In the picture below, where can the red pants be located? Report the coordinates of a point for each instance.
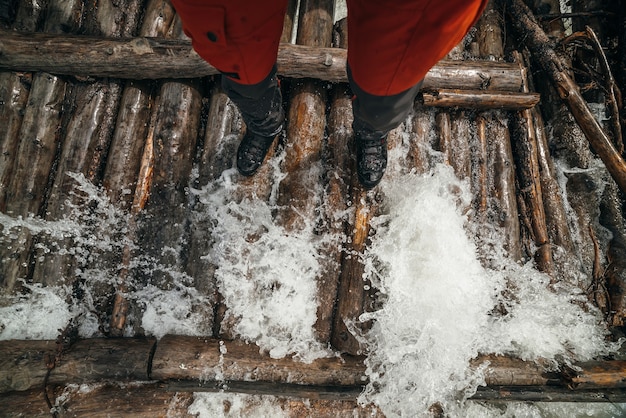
(391, 44)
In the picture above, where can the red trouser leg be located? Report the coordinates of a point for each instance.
(393, 43)
(238, 37)
(391, 46)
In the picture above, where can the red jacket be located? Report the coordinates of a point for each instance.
(391, 44)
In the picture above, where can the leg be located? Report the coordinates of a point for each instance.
(240, 38)
(391, 46)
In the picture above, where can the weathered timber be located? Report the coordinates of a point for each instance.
(539, 44)
(39, 140)
(196, 364)
(479, 99)
(156, 58)
(128, 172)
(301, 191)
(418, 155)
(161, 227)
(25, 364)
(131, 129)
(501, 156)
(86, 142)
(529, 179)
(339, 159)
(159, 400)
(198, 358)
(14, 89)
(454, 146)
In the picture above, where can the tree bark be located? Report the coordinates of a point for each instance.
(156, 58)
(479, 100)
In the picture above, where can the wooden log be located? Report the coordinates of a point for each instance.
(162, 227)
(25, 364)
(529, 179)
(155, 58)
(182, 363)
(301, 191)
(136, 399)
(455, 146)
(339, 160)
(14, 89)
(205, 359)
(39, 140)
(480, 99)
(131, 129)
(554, 67)
(423, 124)
(158, 399)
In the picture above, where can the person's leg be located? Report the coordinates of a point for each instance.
(240, 38)
(391, 46)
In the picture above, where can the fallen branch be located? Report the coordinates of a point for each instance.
(540, 45)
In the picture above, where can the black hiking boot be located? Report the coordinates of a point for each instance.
(371, 157)
(252, 151)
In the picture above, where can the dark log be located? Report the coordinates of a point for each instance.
(555, 68)
(162, 226)
(418, 155)
(38, 142)
(195, 364)
(494, 138)
(160, 400)
(205, 359)
(14, 89)
(156, 58)
(25, 364)
(288, 24)
(455, 146)
(480, 99)
(131, 129)
(529, 179)
(339, 161)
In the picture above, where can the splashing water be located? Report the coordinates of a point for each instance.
(438, 310)
(266, 274)
(439, 303)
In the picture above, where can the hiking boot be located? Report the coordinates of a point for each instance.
(371, 157)
(252, 151)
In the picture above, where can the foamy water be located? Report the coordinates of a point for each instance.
(436, 315)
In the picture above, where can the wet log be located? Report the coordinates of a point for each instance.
(555, 68)
(26, 364)
(161, 224)
(198, 358)
(455, 146)
(339, 160)
(479, 99)
(301, 191)
(131, 129)
(14, 89)
(196, 364)
(529, 179)
(158, 399)
(418, 155)
(156, 58)
(497, 190)
(140, 399)
(39, 140)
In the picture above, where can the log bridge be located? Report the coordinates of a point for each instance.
(120, 368)
(130, 106)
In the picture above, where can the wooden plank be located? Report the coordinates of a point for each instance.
(155, 58)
